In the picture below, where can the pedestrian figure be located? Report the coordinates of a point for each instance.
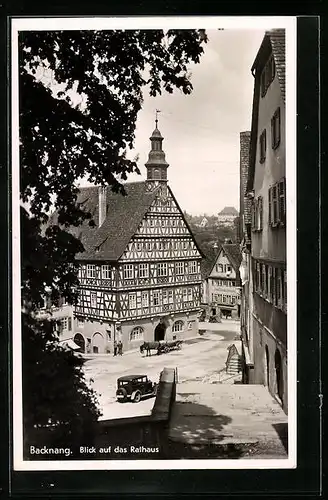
(120, 348)
(115, 348)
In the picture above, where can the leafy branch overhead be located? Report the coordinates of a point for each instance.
(80, 93)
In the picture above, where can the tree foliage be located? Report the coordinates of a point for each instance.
(80, 94)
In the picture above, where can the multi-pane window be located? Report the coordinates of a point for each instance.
(91, 271)
(132, 301)
(137, 333)
(128, 271)
(162, 269)
(105, 271)
(275, 129)
(143, 270)
(219, 268)
(271, 284)
(262, 145)
(156, 298)
(189, 294)
(144, 299)
(179, 268)
(65, 324)
(177, 326)
(138, 246)
(164, 296)
(93, 299)
(185, 296)
(170, 296)
(282, 201)
(267, 75)
(193, 267)
(277, 204)
(80, 323)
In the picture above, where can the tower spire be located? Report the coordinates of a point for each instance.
(156, 115)
(156, 164)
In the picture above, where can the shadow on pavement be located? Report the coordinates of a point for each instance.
(282, 431)
(196, 431)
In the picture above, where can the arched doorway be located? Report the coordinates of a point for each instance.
(79, 340)
(98, 344)
(279, 375)
(266, 367)
(160, 331)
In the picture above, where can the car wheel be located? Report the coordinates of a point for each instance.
(121, 395)
(166, 350)
(137, 397)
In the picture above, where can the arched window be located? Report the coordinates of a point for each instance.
(137, 333)
(157, 174)
(177, 326)
(279, 375)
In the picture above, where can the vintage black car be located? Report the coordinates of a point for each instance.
(134, 387)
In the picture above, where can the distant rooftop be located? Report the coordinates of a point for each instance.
(229, 211)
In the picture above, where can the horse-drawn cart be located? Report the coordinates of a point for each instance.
(169, 346)
(160, 347)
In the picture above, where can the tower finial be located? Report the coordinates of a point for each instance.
(156, 119)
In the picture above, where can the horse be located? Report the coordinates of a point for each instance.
(147, 346)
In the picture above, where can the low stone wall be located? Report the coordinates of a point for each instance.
(133, 438)
(141, 437)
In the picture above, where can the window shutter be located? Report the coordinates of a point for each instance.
(261, 212)
(278, 127)
(70, 324)
(270, 283)
(270, 205)
(282, 201)
(272, 132)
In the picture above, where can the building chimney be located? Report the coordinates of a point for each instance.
(245, 204)
(102, 205)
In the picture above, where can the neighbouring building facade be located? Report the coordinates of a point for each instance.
(221, 286)
(227, 216)
(140, 272)
(264, 302)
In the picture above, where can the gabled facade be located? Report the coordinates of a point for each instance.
(203, 222)
(140, 272)
(266, 188)
(222, 284)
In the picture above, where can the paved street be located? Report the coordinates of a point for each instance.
(199, 359)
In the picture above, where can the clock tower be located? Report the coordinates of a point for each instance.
(156, 164)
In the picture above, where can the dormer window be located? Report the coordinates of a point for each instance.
(267, 75)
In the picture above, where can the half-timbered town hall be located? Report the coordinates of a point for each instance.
(140, 271)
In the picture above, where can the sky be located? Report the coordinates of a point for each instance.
(201, 130)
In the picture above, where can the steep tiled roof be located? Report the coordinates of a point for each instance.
(208, 262)
(124, 214)
(232, 251)
(229, 211)
(277, 38)
(273, 42)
